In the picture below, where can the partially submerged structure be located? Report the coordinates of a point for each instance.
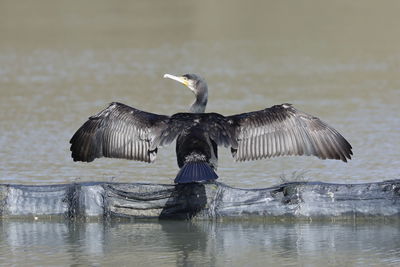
(289, 201)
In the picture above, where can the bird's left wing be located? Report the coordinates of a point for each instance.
(119, 131)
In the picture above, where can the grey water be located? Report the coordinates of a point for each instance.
(61, 62)
(177, 243)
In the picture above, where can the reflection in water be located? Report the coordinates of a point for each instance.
(192, 199)
(200, 243)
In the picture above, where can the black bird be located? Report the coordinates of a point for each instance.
(120, 131)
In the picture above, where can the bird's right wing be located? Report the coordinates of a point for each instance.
(119, 131)
(283, 130)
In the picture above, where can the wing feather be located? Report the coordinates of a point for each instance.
(283, 130)
(119, 131)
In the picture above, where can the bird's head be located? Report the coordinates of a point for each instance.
(194, 82)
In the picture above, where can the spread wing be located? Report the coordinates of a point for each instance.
(283, 130)
(119, 131)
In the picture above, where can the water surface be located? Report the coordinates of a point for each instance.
(61, 62)
(172, 243)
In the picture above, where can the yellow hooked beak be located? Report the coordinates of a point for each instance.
(180, 79)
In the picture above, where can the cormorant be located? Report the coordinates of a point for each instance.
(121, 131)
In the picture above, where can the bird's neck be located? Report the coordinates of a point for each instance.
(199, 105)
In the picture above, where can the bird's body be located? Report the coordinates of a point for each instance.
(196, 144)
(120, 131)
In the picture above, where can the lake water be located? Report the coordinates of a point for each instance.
(61, 62)
(173, 243)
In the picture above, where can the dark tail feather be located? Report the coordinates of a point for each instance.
(195, 172)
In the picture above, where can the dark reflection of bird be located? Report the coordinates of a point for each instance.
(120, 131)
